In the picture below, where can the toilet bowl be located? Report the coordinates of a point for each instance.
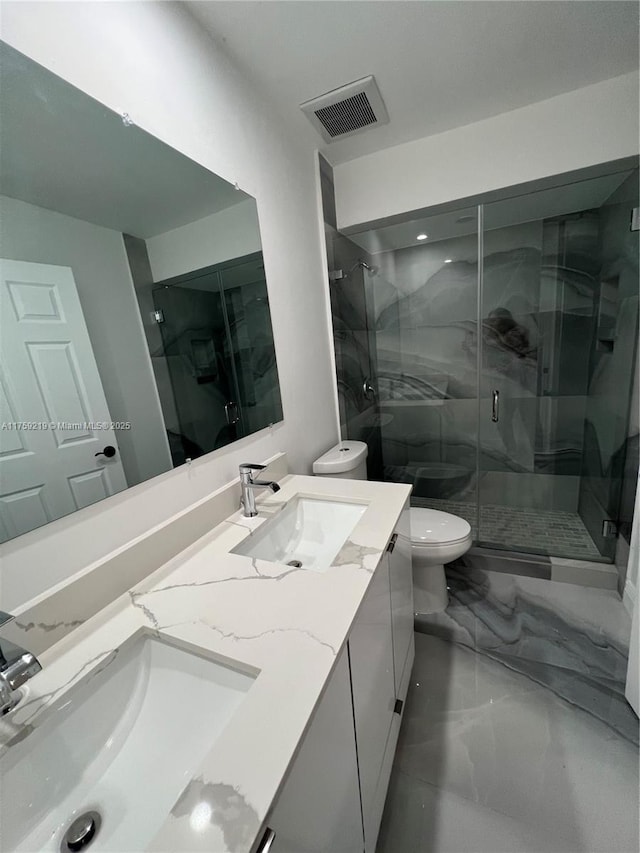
(436, 537)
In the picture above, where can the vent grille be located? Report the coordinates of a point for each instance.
(347, 110)
(346, 116)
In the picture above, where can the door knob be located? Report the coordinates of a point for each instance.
(107, 451)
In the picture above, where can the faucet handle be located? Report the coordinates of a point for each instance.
(15, 673)
(251, 466)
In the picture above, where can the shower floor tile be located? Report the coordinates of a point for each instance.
(537, 530)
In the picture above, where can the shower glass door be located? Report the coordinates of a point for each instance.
(557, 322)
(427, 353)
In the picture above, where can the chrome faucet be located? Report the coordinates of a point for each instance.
(247, 484)
(17, 666)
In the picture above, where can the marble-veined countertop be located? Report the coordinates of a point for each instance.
(285, 625)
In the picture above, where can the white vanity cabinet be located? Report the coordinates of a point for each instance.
(381, 654)
(319, 806)
(401, 586)
(332, 801)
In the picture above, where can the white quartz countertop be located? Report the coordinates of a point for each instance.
(283, 625)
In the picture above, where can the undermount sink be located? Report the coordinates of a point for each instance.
(308, 533)
(123, 742)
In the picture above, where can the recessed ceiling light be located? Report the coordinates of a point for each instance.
(448, 260)
(422, 236)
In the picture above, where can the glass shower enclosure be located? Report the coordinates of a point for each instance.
(506, 336)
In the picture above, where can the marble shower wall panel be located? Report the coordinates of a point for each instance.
(539, 491)
(559, 439)
(431, 444)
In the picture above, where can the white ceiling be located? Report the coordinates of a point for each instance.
(63, 151)
(439, 63)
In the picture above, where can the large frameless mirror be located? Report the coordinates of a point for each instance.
(134, 314)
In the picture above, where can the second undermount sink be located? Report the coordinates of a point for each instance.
(121, 745)
(308, 533)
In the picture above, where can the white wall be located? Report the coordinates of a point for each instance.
(230, 233)
(97, 258)
(582, 128)
(154, 62)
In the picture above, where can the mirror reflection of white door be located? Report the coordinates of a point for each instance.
(49, 379)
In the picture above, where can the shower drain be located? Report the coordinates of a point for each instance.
(81, 832)
(295, 563)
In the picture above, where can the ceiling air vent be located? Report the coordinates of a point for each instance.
(347, 110)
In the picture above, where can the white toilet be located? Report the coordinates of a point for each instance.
(436, 537)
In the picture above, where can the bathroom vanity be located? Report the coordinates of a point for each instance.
(245, 696)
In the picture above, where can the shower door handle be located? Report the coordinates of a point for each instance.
(368, 390)
(495, 406)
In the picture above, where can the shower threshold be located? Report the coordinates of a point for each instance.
(581, 572)
(513, 562)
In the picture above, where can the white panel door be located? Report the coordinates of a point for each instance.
(51, 402)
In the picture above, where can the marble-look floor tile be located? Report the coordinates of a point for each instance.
(428, 819)
(569, 640)
(490, 760)
(599, 612)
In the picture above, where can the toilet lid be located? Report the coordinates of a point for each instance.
(432, 527)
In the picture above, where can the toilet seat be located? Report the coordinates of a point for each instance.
(431, 527)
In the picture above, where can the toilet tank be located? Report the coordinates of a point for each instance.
(347, 460)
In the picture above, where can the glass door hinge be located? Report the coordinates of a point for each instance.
(609, 529)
